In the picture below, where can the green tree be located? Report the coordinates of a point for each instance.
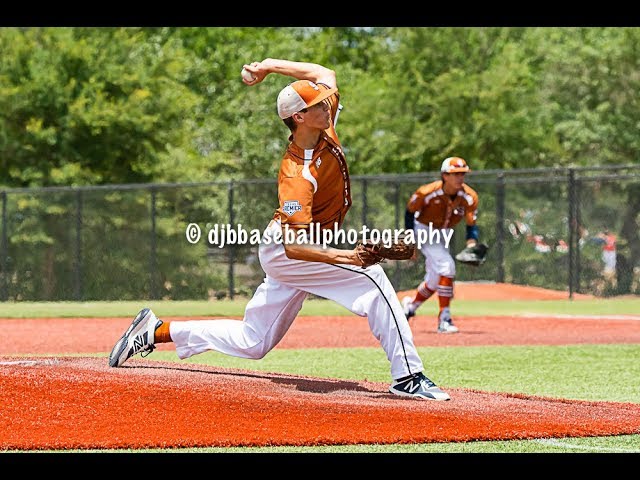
(91, 105)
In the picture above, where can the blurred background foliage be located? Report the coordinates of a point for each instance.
(87, 106)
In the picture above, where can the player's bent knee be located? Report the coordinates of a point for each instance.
(256, 353)
(255, 346)
(449, 270)
(431, 279)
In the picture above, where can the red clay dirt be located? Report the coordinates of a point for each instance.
(61, 402)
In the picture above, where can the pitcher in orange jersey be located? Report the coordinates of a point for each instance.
(313, 188)
(441, 205)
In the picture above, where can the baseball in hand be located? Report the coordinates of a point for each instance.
(247, 75)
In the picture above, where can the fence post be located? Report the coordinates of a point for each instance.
(572, 230)
(232, 249)
(153, 260)
(500, 194)
(4, 294)
(578, 187)
(77, 270)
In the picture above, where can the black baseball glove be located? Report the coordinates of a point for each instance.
(474, 255)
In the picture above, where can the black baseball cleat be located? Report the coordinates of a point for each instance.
(139, 338)
(418, 386)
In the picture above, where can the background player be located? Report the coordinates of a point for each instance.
(313, 187)
(443, 204)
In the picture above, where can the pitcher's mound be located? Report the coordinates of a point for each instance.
(81, 403)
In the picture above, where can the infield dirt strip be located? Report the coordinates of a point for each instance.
(62, 402)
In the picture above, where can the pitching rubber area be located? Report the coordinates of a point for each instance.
(78, 402)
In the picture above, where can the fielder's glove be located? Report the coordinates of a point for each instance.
(474, 255)
(371, 253)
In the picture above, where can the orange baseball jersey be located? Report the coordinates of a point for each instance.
(434, 206)
(314, 185)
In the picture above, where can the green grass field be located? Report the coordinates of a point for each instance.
(586, 372)
(626, 306)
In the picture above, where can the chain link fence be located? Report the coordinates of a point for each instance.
(545, 228)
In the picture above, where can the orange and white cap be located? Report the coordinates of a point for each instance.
(300, 95)
(454, 165)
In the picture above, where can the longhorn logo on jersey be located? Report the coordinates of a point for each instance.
(291, 206)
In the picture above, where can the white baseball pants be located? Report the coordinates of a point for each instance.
(277, 301)
(437, 259)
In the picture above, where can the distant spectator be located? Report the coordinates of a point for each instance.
(562, 246)
(518, 228)
(540, 244)
(608, 241)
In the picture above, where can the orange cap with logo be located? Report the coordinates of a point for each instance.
(300, 95)
(454, 165)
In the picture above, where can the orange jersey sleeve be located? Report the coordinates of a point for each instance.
(417, 199)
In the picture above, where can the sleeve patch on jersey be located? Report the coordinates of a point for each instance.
(291, 206)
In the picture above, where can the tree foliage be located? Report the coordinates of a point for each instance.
(121, 105)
